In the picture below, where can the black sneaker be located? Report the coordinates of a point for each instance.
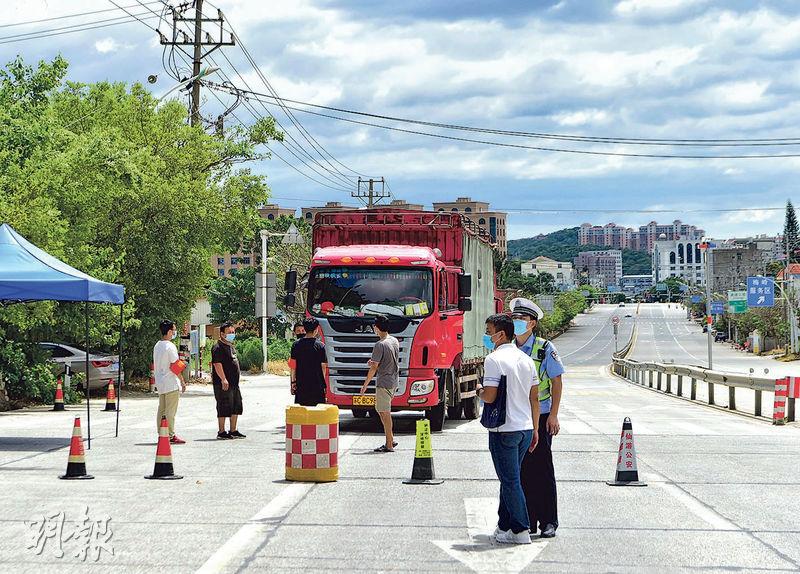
(236, 434)
(224, 435)
(549, 531)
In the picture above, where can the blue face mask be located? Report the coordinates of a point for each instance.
(488, 342)
(520, 326)
(230, 337)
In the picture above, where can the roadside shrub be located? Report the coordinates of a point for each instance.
(250, 354)
(279, 349)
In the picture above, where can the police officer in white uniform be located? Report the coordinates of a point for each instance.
(538, 475)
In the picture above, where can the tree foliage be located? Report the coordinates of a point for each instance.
(791, 234)
(98, 176)
(562, 245)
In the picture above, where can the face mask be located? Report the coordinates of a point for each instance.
(230, 337)
(488, 341)
(520, 326)
(299, 335)
(174, 335)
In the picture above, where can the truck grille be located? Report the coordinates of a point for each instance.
(348, 355)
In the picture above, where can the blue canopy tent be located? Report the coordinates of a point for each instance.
(29, 274)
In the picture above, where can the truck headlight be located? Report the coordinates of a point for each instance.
(422, 387)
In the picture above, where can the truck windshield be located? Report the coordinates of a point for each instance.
(359, 291)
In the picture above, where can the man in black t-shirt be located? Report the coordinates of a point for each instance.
(309, 367)
(225, 377)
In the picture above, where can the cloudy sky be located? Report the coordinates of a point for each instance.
(638, 69)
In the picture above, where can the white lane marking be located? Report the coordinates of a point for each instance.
(264, 522)
(602, 328)
(682, 347)
(700, 510)
(482, 554)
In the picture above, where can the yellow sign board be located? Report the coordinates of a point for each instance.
(423, 439)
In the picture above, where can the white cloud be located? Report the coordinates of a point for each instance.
(106, 45)
(581, 117)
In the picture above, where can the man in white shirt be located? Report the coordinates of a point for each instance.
(168, 385)
(509, 442)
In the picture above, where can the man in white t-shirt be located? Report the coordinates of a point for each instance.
(509, 442)
(168, 385)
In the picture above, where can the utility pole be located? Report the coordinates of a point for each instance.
(707, 248)
(372, 195)
(181, 40)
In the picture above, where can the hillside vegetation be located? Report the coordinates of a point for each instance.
(562, 245)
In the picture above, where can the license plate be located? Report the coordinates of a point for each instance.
(364, 401)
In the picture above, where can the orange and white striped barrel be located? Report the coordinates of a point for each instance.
(781, 393)
(312, 443)
(152, 377)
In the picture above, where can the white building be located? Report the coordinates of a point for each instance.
(681, 258)
(562, 271)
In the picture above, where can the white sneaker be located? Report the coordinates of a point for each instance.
(498, 531)
(509, 537)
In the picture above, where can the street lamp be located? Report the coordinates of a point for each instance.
(203, 73)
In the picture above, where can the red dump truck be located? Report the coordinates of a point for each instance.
(432, 275)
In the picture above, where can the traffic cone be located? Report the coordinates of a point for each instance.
(76, 464)
(58, 403)
(111, 397)
(152, 377)
(163, 468)
(422, 472)
(627, 473)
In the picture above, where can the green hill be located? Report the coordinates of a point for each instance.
(562, 245)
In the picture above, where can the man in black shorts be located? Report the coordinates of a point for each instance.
(309, 367)
(225, 377)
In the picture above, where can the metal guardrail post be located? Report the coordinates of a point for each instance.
(650, 373)
(680, 385)
(658, 381)
(693, 391)
(732, 398)
(669, 383)
(790, 410)
(711, 394)
(758, 404)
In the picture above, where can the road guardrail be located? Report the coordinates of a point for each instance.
(659, 376)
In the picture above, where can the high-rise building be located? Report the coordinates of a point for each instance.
(681, 258)
(619, 237)
(562, 271)
(733, 261)
(603, 269)
(494, 222)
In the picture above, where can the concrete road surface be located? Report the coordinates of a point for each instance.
(722, 490)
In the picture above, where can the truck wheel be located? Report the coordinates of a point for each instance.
(438, 414)
(454, 413)
(471, 408)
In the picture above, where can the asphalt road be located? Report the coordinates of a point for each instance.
(721, 495)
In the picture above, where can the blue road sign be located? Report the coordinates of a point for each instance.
(696, 298)
(717, 307)
(683, 288)
(760, 292)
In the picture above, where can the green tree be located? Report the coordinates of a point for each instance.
(234, 298)
(97, 176)
(791, 234)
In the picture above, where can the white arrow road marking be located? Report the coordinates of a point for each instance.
(482, 554)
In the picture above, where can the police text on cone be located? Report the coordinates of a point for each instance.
(627, 473)
(422, 472)
(76, 463)
(111, 397)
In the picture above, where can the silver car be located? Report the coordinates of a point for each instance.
(102, 368)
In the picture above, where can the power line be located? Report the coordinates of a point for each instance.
(66, 30)
(68, 16)
(522, 146)
(745, 142)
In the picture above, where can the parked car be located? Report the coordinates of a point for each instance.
(102, 368)
(622, 304)
(720, 336)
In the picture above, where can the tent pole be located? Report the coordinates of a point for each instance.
(86, 378)
(119, 371)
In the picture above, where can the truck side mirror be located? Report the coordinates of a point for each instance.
(465, 304)
(464, 286)
(290, 282)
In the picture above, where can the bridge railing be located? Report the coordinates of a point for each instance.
(679, 379)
